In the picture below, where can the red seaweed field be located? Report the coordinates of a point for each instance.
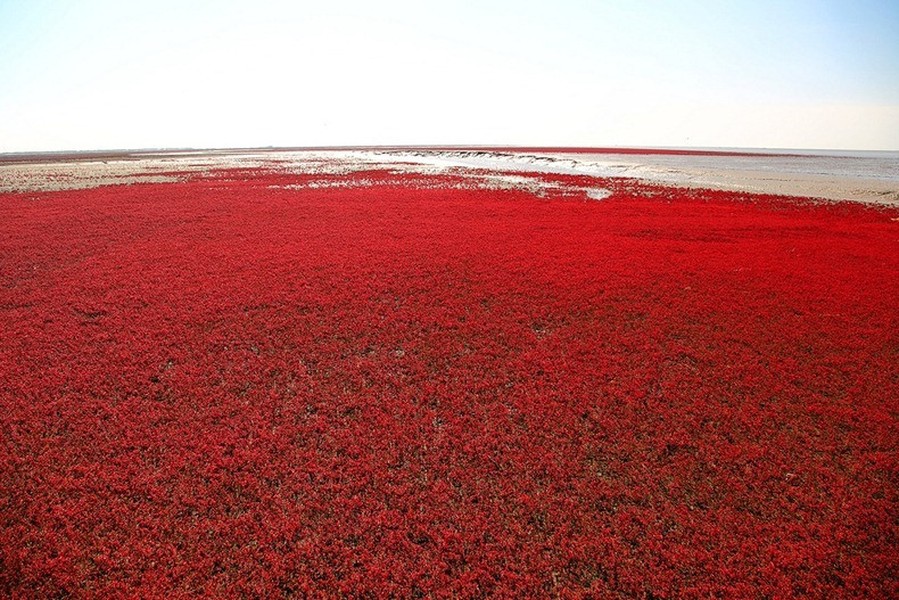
(241, 385)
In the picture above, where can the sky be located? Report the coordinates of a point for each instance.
(108, 74)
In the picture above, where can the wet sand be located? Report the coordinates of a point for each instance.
(862, 177)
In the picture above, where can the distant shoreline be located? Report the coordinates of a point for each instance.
(51, 156)
(870, 177)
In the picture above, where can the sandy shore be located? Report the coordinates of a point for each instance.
(860, 177)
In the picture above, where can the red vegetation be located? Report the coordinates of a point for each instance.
(223, 388)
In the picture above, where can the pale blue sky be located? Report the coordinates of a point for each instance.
(92, 74)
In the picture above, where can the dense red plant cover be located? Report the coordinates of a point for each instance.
(225, 387)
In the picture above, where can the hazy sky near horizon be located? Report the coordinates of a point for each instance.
(103, 74)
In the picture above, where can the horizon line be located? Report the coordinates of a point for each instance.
(609, 149)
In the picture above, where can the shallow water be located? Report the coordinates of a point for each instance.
(860, 165)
